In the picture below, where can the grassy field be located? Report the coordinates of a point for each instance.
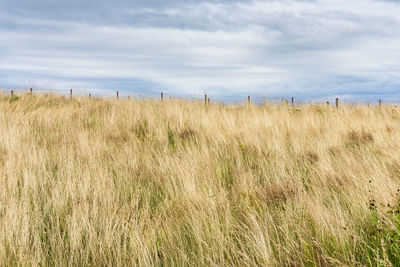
(130, 182)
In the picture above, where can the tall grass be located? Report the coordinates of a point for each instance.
(129, 182)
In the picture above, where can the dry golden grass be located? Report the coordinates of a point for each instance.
(129, 182)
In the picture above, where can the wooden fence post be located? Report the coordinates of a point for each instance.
(337, 102)
(12, 93)
(31, 91)
(380, 103)
(327, 103)
(70, 93)
(117, 95)
(292, 101)
(209, 101)
(162, 97)
(205, 99)
(90, 95)
(248, 100)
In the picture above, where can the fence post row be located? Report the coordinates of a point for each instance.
(207, 100)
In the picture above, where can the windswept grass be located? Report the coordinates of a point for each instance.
(129, 182)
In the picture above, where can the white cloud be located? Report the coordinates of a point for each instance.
(266, 47)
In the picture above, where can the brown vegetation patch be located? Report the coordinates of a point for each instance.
(247, 150)
(3, 155)
(312, 157)
(116, 137)
(187, 134)
(338, 181)
(394, 170)
(277, 193)
(359, 138)
(308, 158)
(389, 129)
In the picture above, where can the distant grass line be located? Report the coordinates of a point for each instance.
(142, 183)
(225, 99)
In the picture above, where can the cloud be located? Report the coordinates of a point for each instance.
(278, 48)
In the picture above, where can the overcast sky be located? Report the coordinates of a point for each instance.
(308, 48)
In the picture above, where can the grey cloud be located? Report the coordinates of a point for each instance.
(315, 48)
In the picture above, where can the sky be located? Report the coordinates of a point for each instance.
(278, 48)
